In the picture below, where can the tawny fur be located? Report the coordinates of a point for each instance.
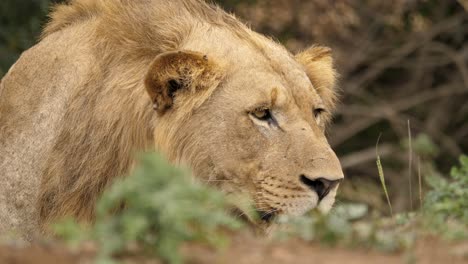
(74, 109)
(317, 63)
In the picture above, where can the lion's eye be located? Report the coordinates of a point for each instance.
(261, 114)
(317, 114)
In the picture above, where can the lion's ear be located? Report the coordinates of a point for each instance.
(318, 64)
(179, 74)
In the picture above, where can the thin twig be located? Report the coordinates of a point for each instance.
(410, 165)
(365, 155)
(420, 183)
(381, 175)
(396, 56)
(374, 114)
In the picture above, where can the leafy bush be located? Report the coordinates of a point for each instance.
(446, 205)
(164, 207)
(445, 212)
(348, 225)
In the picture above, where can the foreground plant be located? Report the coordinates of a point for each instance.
(445, 213)
(163, 208)
(348, 225)
(446, 205)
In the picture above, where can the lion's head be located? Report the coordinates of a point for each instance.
(239, 109)
(254, 124)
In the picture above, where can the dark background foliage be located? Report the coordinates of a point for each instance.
(402, 62)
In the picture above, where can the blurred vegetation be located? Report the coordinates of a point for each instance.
(446, 204)
(164, 207)
(444, 213)
(404, 74)
(158, 208)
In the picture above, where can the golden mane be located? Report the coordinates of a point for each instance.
(107, 119)
(121, 16)
(141, 27)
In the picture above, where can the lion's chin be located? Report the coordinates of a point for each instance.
(270, 216)
(324, 207)
(327, 203)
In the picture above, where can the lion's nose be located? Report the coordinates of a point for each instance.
(321, 185)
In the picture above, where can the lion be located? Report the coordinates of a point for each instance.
(111, 78)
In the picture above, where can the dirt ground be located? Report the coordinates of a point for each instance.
(246, 249)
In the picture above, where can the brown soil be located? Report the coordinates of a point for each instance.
(246, 249)
(37, 254)
(250, 250)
